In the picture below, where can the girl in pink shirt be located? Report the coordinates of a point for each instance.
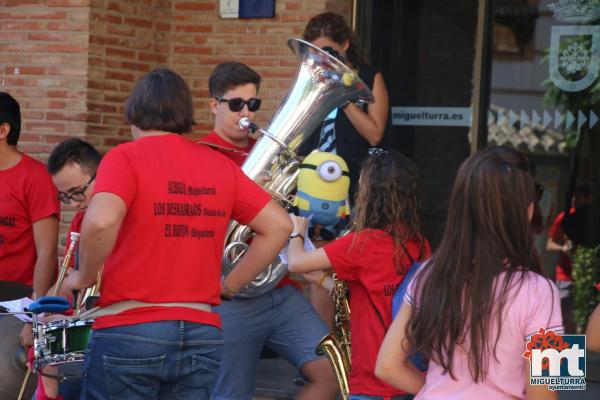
(472, 308)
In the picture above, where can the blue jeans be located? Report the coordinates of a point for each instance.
(282, 320)
(365, 397)
(155, 360)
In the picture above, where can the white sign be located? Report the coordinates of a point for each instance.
(431, 116)
(229, 8)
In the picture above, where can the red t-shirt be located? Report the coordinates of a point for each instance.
(239, 156)
(372, 278)
(564, 266)
(75, 227)
(27, 195)
(180, 198)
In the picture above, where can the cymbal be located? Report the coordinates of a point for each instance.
(10, 290)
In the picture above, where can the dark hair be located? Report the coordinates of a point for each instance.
(229, 75)
(333, 26)
(487, 233)
(10, 113)
(161, 100)
(74, 151)
(389, 198)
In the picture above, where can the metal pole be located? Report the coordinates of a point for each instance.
(482, 75)
(354, 15)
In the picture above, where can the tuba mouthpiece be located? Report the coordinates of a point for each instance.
(246, 123)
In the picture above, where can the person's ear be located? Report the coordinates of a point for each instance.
(4, 130)
(345, 45)
(213, 104)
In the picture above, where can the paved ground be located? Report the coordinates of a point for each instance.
(275, 381)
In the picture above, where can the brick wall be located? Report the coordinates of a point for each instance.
(127, 39)
(72, 63)
(44, 63)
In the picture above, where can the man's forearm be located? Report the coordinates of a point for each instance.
(551, 245)
(260, 254)
(96, 245)
(44, 273)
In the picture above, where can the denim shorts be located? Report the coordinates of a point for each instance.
(155, 360)
(282, 319)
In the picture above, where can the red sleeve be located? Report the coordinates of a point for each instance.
(75, 227)
(115, 175)
(250, 198)
(42, 201)
(342, 260)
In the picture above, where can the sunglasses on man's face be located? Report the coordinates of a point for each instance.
(236, 104)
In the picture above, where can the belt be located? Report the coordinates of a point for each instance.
(117, 308)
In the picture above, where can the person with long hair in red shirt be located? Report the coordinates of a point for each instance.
(373, 259)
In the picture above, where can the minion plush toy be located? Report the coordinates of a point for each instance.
(323, 184)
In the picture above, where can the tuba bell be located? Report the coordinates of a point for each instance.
(322, 84)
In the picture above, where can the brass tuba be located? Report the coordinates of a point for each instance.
(322, 83)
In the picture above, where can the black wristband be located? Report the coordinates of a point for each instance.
(295, 235)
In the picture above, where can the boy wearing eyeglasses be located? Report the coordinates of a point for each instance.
(72, 165)
(282, 320)
(29, 213)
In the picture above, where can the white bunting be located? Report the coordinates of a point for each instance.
(547, 119)
(593, 119)
(535, 118)
(524, 119)
(512, 118)
(581, 118)
(558, 119)
(570, 119)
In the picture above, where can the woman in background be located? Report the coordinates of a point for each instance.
(355, 128)
(473, 307)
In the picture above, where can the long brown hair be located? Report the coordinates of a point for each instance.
(333, 26)
(487, 233)
(389, 198)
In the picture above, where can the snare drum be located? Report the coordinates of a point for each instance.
(61, 342)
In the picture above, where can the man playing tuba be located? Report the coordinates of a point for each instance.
(282, 319)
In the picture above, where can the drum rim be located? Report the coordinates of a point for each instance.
(66, 323)
(58, 359)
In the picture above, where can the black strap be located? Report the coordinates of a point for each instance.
(378, 313)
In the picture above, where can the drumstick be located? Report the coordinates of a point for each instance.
(24, 384)
(61, 277)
